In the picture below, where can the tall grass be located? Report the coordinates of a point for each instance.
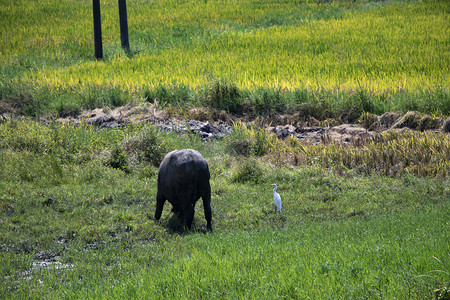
(392, 154)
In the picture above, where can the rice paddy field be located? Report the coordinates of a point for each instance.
(394, 52)
(364, 220)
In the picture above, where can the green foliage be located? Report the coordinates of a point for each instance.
(68, 142)
(264, 101)
(99, 96)
(345, 259)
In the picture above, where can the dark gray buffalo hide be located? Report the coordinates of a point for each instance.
(182, 179)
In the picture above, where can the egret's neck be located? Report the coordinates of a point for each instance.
(274, 189)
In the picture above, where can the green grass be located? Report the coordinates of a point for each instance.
(393, 54)
(85, 198)
(353, 259)
(396, 256)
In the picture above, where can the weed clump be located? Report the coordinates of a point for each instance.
(429, 123)
(167, 95)
(21, 135)
(145, 145)
(250, 140)
(264, 101)
(249, 171)
(387, 120)
(223, 95)
(240, 146)
(96, 96)
(368, 120)
(446, 126)
(410, 120)
(418, 121)
(118, 160)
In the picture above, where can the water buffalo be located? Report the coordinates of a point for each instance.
(182, 179)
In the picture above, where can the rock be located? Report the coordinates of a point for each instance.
(344, 133)
(429, 123)
(348, 129)
(347, 133)
(446, 126)
(387, 120)
(283, 132)
(411, 120)
(206, 128)
(369, 121)
(417, 121)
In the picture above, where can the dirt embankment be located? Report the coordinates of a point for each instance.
(216, 124)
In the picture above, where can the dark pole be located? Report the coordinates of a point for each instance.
(123, 24)
(97, 29)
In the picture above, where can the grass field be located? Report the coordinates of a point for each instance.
(365, 220)
(398, 256)
(81, 200)
(392, 56)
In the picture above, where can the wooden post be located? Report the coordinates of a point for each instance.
(97, 29)
(123, 25)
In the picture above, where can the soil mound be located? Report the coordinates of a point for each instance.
(216, 124)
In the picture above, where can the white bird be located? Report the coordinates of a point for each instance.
(276, 197)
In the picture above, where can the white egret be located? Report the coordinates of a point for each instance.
(276, 197)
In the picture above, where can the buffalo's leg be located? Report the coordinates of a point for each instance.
(182, 218)
(189, 215)
(207, 207)
(159, 205)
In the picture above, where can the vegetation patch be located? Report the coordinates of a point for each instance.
(145, 145)
(391, 153)
(104, 182)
